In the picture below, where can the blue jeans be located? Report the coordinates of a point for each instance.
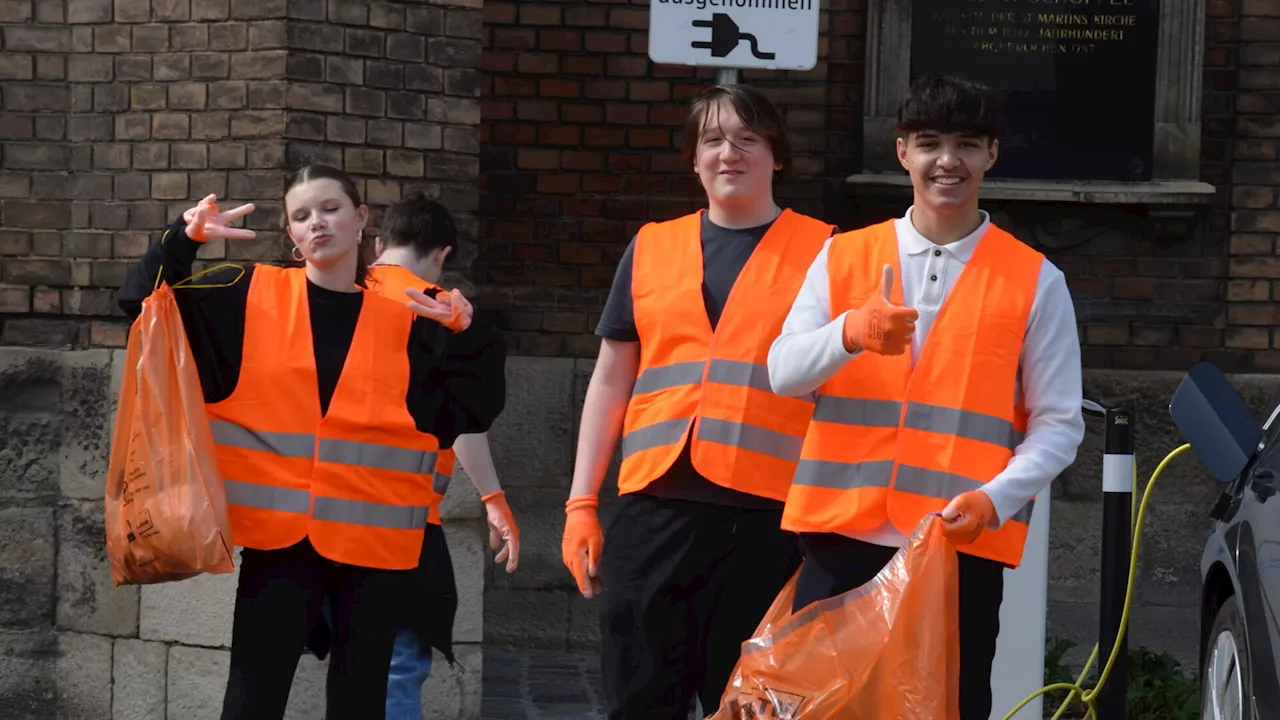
(410, 666)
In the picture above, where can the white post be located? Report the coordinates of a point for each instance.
(1018, 669)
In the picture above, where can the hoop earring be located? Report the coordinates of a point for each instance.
(297, 254)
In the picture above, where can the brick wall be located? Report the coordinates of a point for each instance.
(1246, 61)
(580, 144)
(581, 136)
(117, 115)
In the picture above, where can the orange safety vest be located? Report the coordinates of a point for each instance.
(391, 281)
(351, 481)
(744, 436)
(889, 442)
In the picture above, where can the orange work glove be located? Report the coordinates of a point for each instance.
(967, 516)
(583, 544)
(879, 326)
(502, 529)
(450, 309)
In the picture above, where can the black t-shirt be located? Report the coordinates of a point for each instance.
(724, 253)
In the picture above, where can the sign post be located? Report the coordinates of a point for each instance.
(734, 34)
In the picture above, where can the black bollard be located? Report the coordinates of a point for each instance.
(1117, 548)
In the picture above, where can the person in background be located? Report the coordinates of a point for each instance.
(415, 238)
(320, 435)
(956, 390)
(694, 555)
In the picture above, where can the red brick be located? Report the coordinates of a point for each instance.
(498, 61)
(620, 114)
(559, 88)
(606, 42)
(541, 63)
(498, 13)
(575, 160)
(602, 184)
(559, 135)
(581, 113)
(604, 136)
(539, 14)
(559, 183)
(537, 159)
(560, 40)
(582, 65)
(515, 38)
(627, 66)
(649, 91)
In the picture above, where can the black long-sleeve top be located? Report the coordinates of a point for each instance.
(457, 383)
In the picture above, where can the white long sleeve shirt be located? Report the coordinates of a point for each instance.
(811, 349)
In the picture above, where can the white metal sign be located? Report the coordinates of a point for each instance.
(767, 34)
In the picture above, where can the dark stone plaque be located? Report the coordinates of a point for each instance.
(1077, 78)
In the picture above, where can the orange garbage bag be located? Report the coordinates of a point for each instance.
(166, 507)
(887, 650)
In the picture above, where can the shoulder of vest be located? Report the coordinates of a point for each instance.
(1010, 243)
(812, 223)
(405, 275)
(672, 224)
(866, 233)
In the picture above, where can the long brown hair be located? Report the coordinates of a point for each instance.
(323, 172)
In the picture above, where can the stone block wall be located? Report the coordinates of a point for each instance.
(119, 114)
(73, 646)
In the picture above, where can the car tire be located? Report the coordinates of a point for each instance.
(1228, 647)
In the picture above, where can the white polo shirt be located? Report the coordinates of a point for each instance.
(810, 351)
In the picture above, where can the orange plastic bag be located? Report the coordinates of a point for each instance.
(887, 650)
(166, 506)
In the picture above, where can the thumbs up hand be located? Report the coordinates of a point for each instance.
(879, 326)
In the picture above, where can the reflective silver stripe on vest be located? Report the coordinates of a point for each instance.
(662, 377)
(351, 512)
(268, 497)
(667, 432)
(738, 373)
(962, 423)
(370, 514)
(843, 476)
(441, 483)
(344, 452)
(750, 437)
(276, 443)
(935, 484)
(381, 457)
(920, 416)
(945, 486)
(852, 411)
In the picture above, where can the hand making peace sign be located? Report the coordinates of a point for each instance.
(205, 222)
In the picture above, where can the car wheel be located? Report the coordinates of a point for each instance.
(1226, 691)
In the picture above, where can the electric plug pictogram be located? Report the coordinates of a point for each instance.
(725, 37)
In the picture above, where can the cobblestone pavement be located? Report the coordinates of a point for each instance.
(541, 686)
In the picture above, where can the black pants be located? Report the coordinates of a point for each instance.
(277, 602)
(835, 564)
(685, 584)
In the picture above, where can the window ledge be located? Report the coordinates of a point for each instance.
(1156, 192)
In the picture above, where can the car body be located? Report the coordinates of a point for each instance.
(1240, 577)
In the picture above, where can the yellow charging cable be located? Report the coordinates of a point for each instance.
(1088, 696)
